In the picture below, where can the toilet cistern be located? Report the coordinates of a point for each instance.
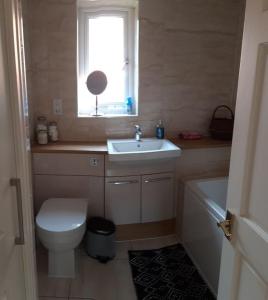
(138, 133)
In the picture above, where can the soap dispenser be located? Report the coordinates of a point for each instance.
(160, 130)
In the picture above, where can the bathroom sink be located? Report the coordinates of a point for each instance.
(146, 149)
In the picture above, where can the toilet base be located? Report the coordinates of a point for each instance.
(61, 264)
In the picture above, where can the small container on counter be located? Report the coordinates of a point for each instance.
(41, 130)
(41, 124)
(53, 133)
(129, 104)
(42, 137)
(160, 130)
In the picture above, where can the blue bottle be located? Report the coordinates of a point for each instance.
(160, 130)
(129, 104)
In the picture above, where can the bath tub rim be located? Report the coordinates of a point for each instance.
(206, 201)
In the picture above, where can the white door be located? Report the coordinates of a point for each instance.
(12, 285)
(244, 265)
(17, 263)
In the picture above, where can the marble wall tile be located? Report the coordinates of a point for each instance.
(189, 52)
(220, 16)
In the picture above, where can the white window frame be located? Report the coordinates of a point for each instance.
(87, 10)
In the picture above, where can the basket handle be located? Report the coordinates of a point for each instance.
(222, 106)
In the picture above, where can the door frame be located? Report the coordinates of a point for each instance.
(13, 35)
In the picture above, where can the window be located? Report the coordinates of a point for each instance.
(106, 42)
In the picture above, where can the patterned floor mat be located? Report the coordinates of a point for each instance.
(167, 274)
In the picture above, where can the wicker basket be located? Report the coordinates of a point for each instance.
(222, 128)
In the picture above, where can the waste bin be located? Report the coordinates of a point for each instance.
(100, 239)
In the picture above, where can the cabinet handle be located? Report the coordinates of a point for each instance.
(157, 179)
(123, 182)
(16, 183)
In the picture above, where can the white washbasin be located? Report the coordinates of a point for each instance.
(146, 149)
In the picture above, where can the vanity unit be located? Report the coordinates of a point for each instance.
(125, 193)
(138, 195)
(139, 180)
(135, 185)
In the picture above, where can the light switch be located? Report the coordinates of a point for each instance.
(57, 106)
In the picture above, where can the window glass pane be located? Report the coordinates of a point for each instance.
(105, 38)
(106, 53)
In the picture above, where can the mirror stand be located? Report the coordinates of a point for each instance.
(97, 114)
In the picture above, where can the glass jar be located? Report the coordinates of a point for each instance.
(53, 132)
(41, 124)
(42, 137)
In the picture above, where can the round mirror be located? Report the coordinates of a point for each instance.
(96, 82)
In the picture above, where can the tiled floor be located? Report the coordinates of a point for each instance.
(111, 281)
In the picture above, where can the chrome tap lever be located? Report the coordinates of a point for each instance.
(138, 133)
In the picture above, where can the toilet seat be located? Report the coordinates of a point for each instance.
(61, 214)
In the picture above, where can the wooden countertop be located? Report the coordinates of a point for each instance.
(101, 148)
(71, 147)
(205, 142)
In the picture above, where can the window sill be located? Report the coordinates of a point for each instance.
(107, 116)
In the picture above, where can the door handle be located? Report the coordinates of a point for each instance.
(226, 225)
(17, 184)
(123, 182)
(157, 179)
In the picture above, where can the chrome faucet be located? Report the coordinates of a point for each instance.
(138, 133)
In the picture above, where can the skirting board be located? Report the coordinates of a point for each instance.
(145, 230)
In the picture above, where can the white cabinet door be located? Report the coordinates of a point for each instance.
(157, 197)
(122, 199)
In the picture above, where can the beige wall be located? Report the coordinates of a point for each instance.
(189, 56)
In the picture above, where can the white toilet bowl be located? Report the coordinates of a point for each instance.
(61, 224)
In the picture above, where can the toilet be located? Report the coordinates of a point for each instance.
(61, 224)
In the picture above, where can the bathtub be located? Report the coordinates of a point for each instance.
(204, 206)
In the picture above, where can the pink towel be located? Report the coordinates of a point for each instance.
(190, 135)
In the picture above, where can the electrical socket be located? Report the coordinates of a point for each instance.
(57, 106)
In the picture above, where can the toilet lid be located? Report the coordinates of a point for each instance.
(62, 214)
